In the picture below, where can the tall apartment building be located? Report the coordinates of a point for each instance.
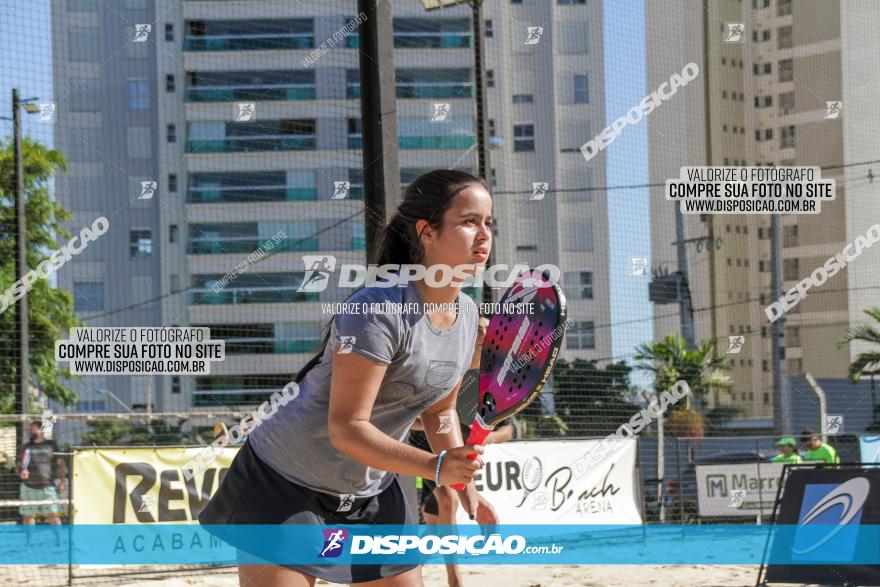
(546, 98)
(766, 98)
(227, 183)
(106, 88)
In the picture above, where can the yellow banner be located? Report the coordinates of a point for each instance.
(135, 485)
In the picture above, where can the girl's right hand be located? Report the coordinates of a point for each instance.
(457, 467)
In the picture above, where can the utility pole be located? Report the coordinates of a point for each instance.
(379, 119)
(781, 419)
(480, 90)
(481, 122)
(21, 307)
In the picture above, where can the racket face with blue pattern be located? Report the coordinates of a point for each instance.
(520, 348)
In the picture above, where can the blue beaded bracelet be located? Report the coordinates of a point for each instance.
(439, 462)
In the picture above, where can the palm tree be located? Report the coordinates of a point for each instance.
(671, 361)
(868, 361)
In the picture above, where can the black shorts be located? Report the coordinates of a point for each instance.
(254, 493)
(427, 499)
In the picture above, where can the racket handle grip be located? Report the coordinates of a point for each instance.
(479, 432)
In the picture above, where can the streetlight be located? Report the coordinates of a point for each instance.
(20, 234)
(113, 395)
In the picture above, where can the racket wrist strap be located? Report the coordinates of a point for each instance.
(479, 431)
(439, 462)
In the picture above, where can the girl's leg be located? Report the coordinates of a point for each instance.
(412, 578)
(272, 576)
(447, 504)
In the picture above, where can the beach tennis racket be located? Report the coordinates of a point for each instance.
(468, 396)
(518, 354)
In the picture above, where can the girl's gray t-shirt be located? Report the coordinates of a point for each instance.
(424, 365)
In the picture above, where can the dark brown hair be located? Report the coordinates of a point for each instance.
(428, 197)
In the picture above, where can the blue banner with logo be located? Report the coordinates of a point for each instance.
(835, 513)
(153, 544)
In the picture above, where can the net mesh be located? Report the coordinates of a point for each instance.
(223, 143)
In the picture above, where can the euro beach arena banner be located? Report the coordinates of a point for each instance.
(537, 482)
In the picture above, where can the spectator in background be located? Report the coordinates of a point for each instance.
(34, 467)
(787, 451)
(818, 450)
(220, 431)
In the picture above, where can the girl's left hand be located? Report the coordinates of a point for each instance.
(486, 514)
(470, 500)
(476, 506)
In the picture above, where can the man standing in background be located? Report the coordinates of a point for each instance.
(38, 483)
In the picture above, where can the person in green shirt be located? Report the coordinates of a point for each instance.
(787, 451)
(818, 450)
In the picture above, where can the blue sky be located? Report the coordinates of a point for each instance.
(627, 157)
(25, 62)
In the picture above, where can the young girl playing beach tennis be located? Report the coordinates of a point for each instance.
(333, 455)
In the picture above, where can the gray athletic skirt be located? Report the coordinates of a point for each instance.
(254, 493)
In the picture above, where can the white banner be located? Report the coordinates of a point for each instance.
(737, 490)
(534, 483)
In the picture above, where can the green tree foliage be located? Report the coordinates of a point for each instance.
(669, 361)
(592, 400)
(50, 311)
